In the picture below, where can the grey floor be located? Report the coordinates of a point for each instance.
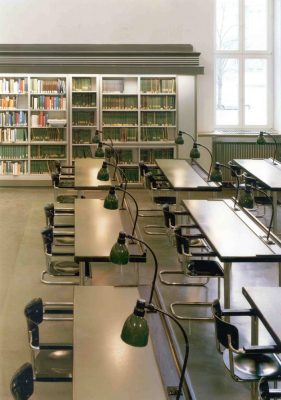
(22, 260)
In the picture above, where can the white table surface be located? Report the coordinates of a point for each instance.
(104, 367)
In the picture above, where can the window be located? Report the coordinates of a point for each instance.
(243, 64)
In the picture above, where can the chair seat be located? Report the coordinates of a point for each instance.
(66, 183)
(65, 267)
(251, 367)
(164, 199)
(66, 241)
(64, 220)
(61, 250)
(204, 268)
(70, 199)
(54, 364)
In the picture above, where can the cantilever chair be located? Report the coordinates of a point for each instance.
(21, 385)
(62, 223)
(267, 393)
(59, 261)
(51, 362)
(248, 363)
(64, 191)
(198, 265)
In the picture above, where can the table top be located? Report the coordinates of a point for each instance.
(181, 176)
(266, 300)
(263, 170)
(97, 229)
(86, 171)
(104, 367)
(233, 235)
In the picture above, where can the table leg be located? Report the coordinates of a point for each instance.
(178, 199)
(82, 273)
(274, 200)
(227, 284)
(254, 330)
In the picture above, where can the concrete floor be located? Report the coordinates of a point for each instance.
(22, 260)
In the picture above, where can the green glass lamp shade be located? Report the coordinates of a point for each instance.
(261, 139)
(194, 153)
(111, 201)
(99, 152)
(179, 139)
(135, 330)
(103, 174)
(216, 175)
(246, 198)
(119, 253)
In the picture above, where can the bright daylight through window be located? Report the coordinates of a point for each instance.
(243, 63)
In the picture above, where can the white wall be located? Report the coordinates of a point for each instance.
(118, 21)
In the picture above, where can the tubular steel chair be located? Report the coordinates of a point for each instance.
(64, 191)
(199, 269)
(21, 385)
(266, 393)
(59, 261)
(64, 231)
(247, 364)
(51, 362)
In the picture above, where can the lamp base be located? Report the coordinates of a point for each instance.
(173, 391)
(267, 241)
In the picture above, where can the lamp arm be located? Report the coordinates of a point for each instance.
(211, 155)
(123, 176)
(136, 204)
(188, 134)
(272, 210)
(151, 307)
(155, 264)
(275, 142)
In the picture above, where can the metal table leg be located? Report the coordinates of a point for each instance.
(227, 284)
(82, 273)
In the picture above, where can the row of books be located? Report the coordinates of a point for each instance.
(158, 85)
(149, 156)
(81, 136)
(13, 152)
(84, 100)
(48, 102)
(39, 119)
(83, 118)
(48, 151)
(48, 85)
(120, 118)
(132, 174)
(81, 152)
(158, 118)
(42, 166)
(120, 102)
(82, 84)
(48, 135)
(158, 102)
(8, 102)
(13, 85)
(13, 118)
(11, 135)
(154, 134)
(121, 134)
(125, 156)
(13, 167)
(113, 85)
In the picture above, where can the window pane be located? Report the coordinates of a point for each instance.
(255, 92)
(227, 24)
(227, 91)
(256, 24)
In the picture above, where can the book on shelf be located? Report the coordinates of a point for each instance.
(48, 85)
(48, 151)
(13, 118)
(12, 135)
(48, 134)
(120, 102)
(42, 166)
(161, 118)
(81, 152)
(120, 118)
(86, 118)
(48, 102)
(81, 136)
(13, 152)
(113, 85)
(84, 100)
(13, 167)
(149, 155)
(120, 134)
(158, 85)
(131, 173)
(82, 84)
(158, 102)
(13, 85)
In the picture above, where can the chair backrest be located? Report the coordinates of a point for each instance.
(182, 243)
(22, 382)
(47, 237)
(34, 316)
(224, 329)
(169, 217)
(49, 210)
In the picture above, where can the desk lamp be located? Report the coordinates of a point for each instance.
(103, 175)
(194, 152)
(99, 151)
(247, 201)
(111, 202)
(216, 176)
(135, 331)
(261, 140)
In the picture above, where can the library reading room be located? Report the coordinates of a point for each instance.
(140, 194)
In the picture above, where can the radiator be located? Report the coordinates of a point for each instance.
(227, 151)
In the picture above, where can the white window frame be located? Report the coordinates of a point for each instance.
(241, 55)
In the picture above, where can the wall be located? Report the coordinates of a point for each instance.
(118, 21)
